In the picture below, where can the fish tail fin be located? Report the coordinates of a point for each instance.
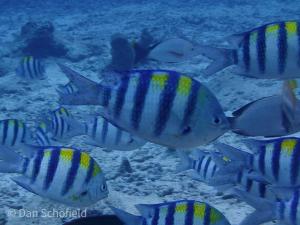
(265, 209)
(88, 90)
(127, 218)
(221, 57)
(9, 161)
(185, 161)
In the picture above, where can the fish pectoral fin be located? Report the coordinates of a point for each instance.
(257, 177)
(24, 183)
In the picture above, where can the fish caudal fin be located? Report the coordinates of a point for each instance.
(221, 57)
(265, 209)
(185, 161)
(127, 218)
(9, 161)
(88, 90)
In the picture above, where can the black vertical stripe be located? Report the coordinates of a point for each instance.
(155, 218)
(34, 65)
(37, 164)
(72, 172)
(167, 97)
(120, 96)
(200, 164)
(4, 131)
(16, 132)
(106, 96)
(294, 207)
(282, 47)
(25, 165)
(235, 57)
(261, 48)
(191, 104)
(55, 124)
(24, 133)
(189, 217)
(52, 167)
(281, 210)
(276, 160)
(94, 128)
(206, 167)
(104, 131)
(139, 99)
(249, 184)
(295, 165)
(246, 51)
(214, 170)
(90, 171)
(262, 190)
(298, 35)
(206, 219)
(170, 213)
(28, 66)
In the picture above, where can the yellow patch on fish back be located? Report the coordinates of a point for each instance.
(288, 146)
(66, 154)
(272, 28)
(47, 153)
(184, 86)
(27, 58)
(160, 79)
(85, 160)
(226, 159)
(181, 208)
(97, 170)
(62, 110)
(11, 122)
(291, 27)
(214, 216)
(292, 84)
(199, 210)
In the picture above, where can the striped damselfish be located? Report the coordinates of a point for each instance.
(275, 160)
(14, 132)
(201, 162)
(283, 211)
(182, 212)
(268, 51)
(68, 88)
(31, 68)
(164, 107)
(62, 174)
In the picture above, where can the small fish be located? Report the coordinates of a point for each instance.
(65, 175)
(59, 126)
(272, 116)
(182, 212)
(31, 68)
(283, 211)
(69, 88)
(275, 161)
(41, 135)
(14, 132)
(173, 51)
(204, 166)
(164, 107)
(269, 51)
(106, 135)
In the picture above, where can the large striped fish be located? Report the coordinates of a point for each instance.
(65, 175)
(164, 107)
(268, 51)
(183, 212)
(31, 68)
(283, 211)
(14, 132)
(276, 160)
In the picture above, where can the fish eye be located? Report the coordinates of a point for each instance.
(186, 130)
(216, 120)
(103, 187)
(130, 140)
(84, 193)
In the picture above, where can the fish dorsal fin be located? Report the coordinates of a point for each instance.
(241, 110)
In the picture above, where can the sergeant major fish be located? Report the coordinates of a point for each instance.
(31, 68)
(268, 51)
(65, 175)
(183, 212)
(164, 107)
(276, 160)
(69, 88)
(14, 132)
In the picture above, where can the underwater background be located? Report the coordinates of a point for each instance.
(81, 32)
